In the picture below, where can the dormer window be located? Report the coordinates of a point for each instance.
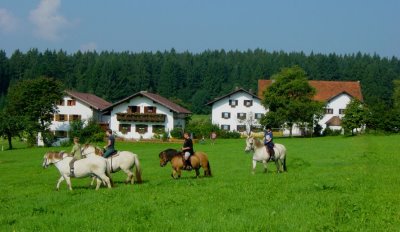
(233, 103)
(71, 102)
(150, 109)
(133, 109)
(248, 103)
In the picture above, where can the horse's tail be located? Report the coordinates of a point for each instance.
(284, 164)
(138, 171)
(209, 168)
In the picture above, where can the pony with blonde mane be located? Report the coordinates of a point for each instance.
(90, 166)
(123, 160)
(260, 154)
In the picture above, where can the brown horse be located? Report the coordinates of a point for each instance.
(198, 160)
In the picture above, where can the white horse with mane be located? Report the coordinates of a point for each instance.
(123, 160)
(90, 166)
(260, 154)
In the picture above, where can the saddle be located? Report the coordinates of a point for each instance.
(114, 153)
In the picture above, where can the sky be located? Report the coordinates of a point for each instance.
(319, 26)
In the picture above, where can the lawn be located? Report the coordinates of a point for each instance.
(332, 184)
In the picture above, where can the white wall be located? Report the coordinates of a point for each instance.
(223, 106)
(79, 109)
(339, 102)
(141, 102)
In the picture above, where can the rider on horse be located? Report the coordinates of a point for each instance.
(110, 144)
(187, 150)
(268, 142)
(76, 154)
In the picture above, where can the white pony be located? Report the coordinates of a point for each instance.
(123, 160)
(90, 166)
(261, 154)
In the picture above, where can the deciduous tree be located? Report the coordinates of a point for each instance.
(289, 100)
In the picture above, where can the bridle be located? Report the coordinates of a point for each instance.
(46, 163)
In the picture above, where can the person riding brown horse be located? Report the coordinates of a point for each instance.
(198, 160)
(188, 151)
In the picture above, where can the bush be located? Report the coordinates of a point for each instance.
(177, 133)
(90, 133)
(329, 132)
(228, 134)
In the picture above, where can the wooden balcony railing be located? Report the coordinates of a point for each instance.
(137, 117)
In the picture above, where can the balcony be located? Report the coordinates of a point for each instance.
(136, 117)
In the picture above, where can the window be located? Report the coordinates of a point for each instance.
(141, 128)
(248, 103)
(133, 109)
(74, 117)
(341, 111)
(241, 116)
(226, 115)
(61, 102)
(124, 128)
(241, 128)
(225, 127)
(158, 129)
(258, 115)
(60, 134)
(233, 103)
(60, 117)
(150, 109)
(71, 102)
(328, 111)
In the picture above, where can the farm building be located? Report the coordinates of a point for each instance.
(335, 94)
(237, 111)
(144, 114)
(76, 106)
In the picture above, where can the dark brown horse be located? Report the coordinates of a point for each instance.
(198, 160)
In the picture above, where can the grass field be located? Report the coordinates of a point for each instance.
(332, 184)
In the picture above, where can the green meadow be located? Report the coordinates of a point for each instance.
(332, 184)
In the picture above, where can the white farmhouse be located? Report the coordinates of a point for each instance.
(335, 94)
(76, 106)
(237, 111)
(144, 114)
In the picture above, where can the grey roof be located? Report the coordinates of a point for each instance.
(231, 93)
(157, 98)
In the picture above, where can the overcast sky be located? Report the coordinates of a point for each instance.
(322, 26)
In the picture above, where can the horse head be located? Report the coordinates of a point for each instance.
(163, 158)
(249, 144)
(51, 158)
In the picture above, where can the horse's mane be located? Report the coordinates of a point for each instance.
(171, 153)
(97, 150)
(257, 142)
(55, 154)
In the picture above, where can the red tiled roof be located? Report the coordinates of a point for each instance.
(157, 98)
(90, 99)
(326, 90)
(334, 121)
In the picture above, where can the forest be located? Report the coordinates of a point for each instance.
(193, 79)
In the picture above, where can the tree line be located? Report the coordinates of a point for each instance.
(193, 79)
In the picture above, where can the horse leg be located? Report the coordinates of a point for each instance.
(265, 166)
(129, 177)
(173, 174)
(254, 167)
(68, 180)
(98, 182)
(197, 172)
(278, 167)
(59, 182)
(92, 182)
(105, 178)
